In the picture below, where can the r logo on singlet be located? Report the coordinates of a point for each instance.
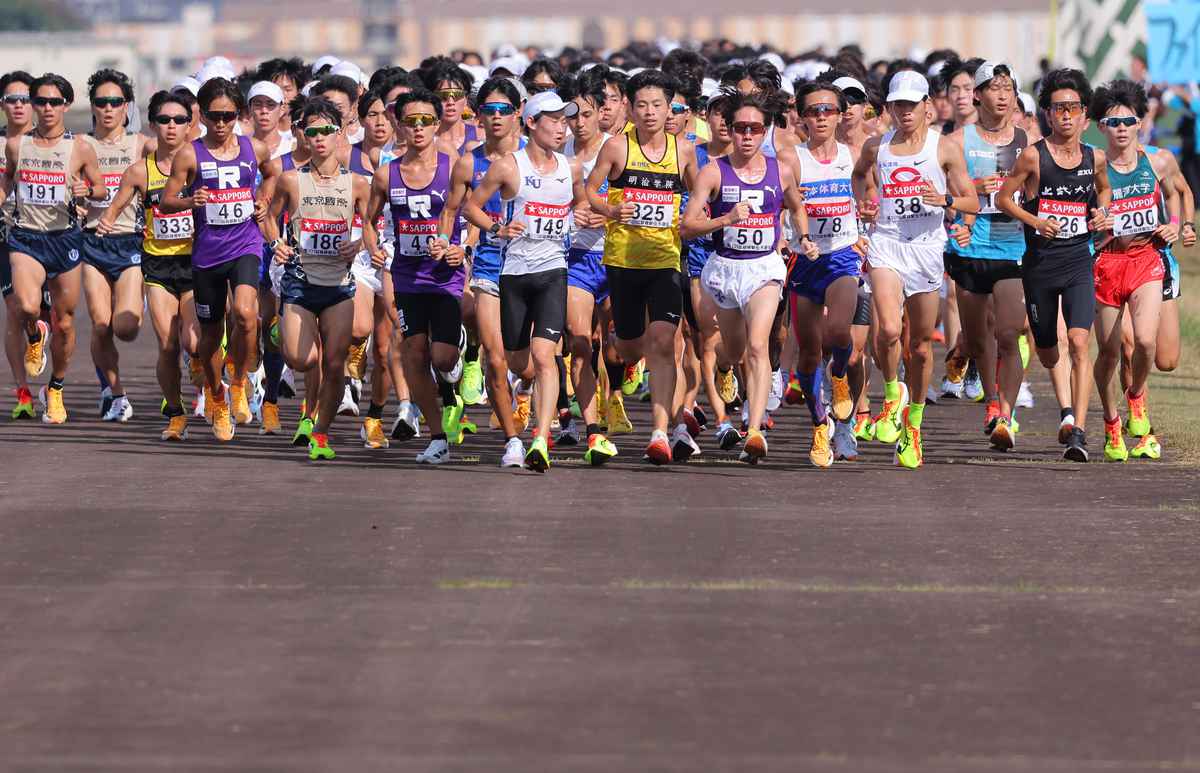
(227, 176)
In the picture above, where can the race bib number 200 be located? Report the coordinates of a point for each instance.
(1136, 215)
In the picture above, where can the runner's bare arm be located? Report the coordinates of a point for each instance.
(86, 172)
(862, 180)
(361, 191)
(279, 204)
(689, 164)
(793, 199)
(183, 171)
(460, 189)
(376, 201)
(501, 176)
(1100, 214)
(271, 169)
(133, 182)
(696, 221)
(610, 159)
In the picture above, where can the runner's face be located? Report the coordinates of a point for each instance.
(748, 143)
(497, 126)
(390, 105)
(961, 95)
(677, 122)
(18, 113)
(716, 125)
(997, 97)
(548, 130)
(612, 113)
(1120, 137)
(909, 116)
(172, 135)
(942, 107)
(264, 113)
(49, 116)
(109, 118)
(418, 137)
(376, 123)
(585, 124)
(451, 108)
(288, 87)
(321, 146)
(650, 109)
(1067, 119)
(342, 102)
(222, 130)
(822, 125)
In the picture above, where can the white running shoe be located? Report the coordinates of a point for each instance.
(287, 383)
(406, 425)
(569, 436)
(350, 394)
(1025, 396)
(437, 452)
(952, 389)
(931, 395)
(775, 398)
(106, 401)
(683, 445)
(198, 410)
(973, 386)
(514, 453)
(121, 410)
(845, 445)
(728, 437)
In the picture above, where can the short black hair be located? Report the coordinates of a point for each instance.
(583, 87)
(293, 69)
(215, 88)
(115, 77)
(1119, 93)
(383, 75)
(1065, 78)
(418, 95)
(370, 97)
(320, 107)
(16, 76)
(339, 83)
(446, 71)
(689, 89)
(409, 80)
(181, 97)
(537, 67)
(811, 87)
(651, 79)
(769, 103)
(681, 62)
(57, 81)
(502, 84)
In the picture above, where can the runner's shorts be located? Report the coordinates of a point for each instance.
(811, 278)
(641, 293)
(584, 270)
(732, 282)
(172, 273)
(1047, 284)
(57, 251)
(367, 276)
(862, 312)
(1172, 288)
(213, 285)
(1119, 274)
(697, 252)
(112, 254)
(485, 271)
(437, 315)
(314, 298)
(532, 305)
(919, 266)
(980, 275)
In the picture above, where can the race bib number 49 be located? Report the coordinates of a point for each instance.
(754, 234)
(546, 221)
(322, 237)
(230, 206)
(1071, 216)
(1137, 215)
(171, 228)
(413, 237)
(43, 189)
(651, 209)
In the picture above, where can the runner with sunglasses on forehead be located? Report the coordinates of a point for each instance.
(166, 248)
(216, 177)
(323, 199)
(920, 174)
(48, 170)
(1065, 195)
(746, 193)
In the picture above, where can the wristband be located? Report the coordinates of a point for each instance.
(1175, 220)
(443, 237)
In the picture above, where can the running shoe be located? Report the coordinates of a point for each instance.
(471, 387)
(56, 411)
(239, 404)
(522, 411)
(222, 421)
(1024, 396)
(728, 436)
(356, 361)
(1139, 418)
(727, 386)
(618, 420)
(775, 397)
(372, 435)
(200, 405)
(468, 427)
(287, 384)
(1114, 443)
(452, 421)
(120, 411)
(600, 450)
(956, 369)
(700, 416)
(537, 458)
(1023, 349)
(1076, 446)
(106, 400)
(406, 425)
(176, 428)
(1065, 427)
(569, 436)
(514, 453)
(270, 420)
(683, 446)
(794, 394)
(318, 448)
(1147, 448)
(990, 417)
(35, 351)
(952, 390)
(842, 405)
(601, 406)
(973, 384)
(633, 377)
(755, 448)
(845, 444)
(24, 407)
(659, 450)
(864, 428)
(642, 395)
(821, 454)
(350, 396)
(1004, 434)
(574, 409)
(304, 432)
(195, 370)
(888, 427)
(692, 423)
(909, 452)
(437, 452)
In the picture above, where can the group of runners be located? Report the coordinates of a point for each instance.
(549, 242)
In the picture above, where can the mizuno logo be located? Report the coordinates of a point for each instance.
(552, 331)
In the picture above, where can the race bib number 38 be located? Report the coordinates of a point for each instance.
(1071, 216)
(651, 209)
(322, 237)
(1136, 215)
(546, 221)
(43, 189)
(754, 234)
(230, 206)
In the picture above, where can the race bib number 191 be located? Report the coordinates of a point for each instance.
(43, 189)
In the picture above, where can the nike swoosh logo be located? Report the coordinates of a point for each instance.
(918, 163)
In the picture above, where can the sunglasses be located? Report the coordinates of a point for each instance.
(1113, 122)
(108, 101)
(538, 88)
(496, 108)
(416, 120)
(178, 120)
(324, 130)
(450, 95)
(221, 116)
(51, 101)
(678, 109)
(16, 99)
(1071, 108)
(746, 127)
(824, 108)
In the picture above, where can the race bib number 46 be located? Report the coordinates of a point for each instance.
(1137, 215)
(171, 228)
(230, 206)
(651, 209)
(43, 189)
(1071, 216)
(546, 221)
(322, 237)
(754, 234)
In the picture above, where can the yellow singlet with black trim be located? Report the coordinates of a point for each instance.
(165, 235)
(651, 238)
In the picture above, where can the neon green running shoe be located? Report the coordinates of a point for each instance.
(1114, 443)
(909, 452)
(304, 432)
(537, 458)
(1139, 418)
(1023, 348)
(600, 450)
(887, 427)
(468, 427)
(24, 407)
(452, 421)
(318, 448)
(1147, 448)
(864, 428)
(472, 382)
(633, 377)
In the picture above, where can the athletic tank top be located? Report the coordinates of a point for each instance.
(359, 161)
(1137, 204)
(470, 134)
(415, 213)
(164, 234)
(543, 206)
(651, 238)
(995, 235)
(768, 146)
(828, 202)
(758, 234)
(695, 250)
(903, 216)
(114, 158)
(42, 193)
(1066, 196)
(225, 227)
(318, 227)
(383, 225)
(488, 245)
(588, 239)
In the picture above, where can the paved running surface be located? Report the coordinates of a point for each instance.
(204, 608)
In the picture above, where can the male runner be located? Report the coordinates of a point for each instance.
(452, 85)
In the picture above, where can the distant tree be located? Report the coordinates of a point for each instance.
(37, 15)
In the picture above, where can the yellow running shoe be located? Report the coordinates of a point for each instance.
(633, 377)
(843, 404)
(1114, 443)
(521, 412)
(176, 428)
(270, 420)
(208, 405)
(755, 448)
(239, 404)
(1147, 448)
(908, 451)
(35, 353)
(821, 453)
(222, 422)
(356, 361)
(727, 385)
(372, 434)
(1139, 418)
(618, 420)
(601, 407)
(56, 412)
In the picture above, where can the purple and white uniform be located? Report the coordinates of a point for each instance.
(415, 214)
(225, 227)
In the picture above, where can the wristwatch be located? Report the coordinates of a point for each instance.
(273, 244)
(495, 229)
(949, 202)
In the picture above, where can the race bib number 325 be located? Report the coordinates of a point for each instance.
(651, 209)
(230, 206)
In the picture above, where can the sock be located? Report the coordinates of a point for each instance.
(172, 412)
(616, 374)
(595, 359)
(1114, 422)
(273, 366)
(891, 390)
(593, 429)
(102, 379)
(564, 402)
(446, 392)
(841, 358)
(36, 336)
(811, 383)
(916, 412)
(55, 383)
(472, 353)
(375, 411)
(1065, 412)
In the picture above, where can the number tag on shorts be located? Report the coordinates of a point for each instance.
(754, 234)
(546, 221)
(43, 189)
(322, 237)
(171, 228)
(413, 237)
(1137, 215)
(651, 209)
(231, 206)
(1071, 216)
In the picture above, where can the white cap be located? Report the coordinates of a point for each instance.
(208, 73)
(709, 88)
(774, 58)
(217, 62)
(308, 87)
(846, 83)
(548, 102)
(266, 89)
(666, 45)
(587, 66)
(349, 70)
(189, 83)
(521, 90)
(634, 71)
(506, 50)
(908, 86)
(511, 63)
(787, 88)
(987, 71)
(328, 59)
(478, 74)
(794, 71)
(1027, 103)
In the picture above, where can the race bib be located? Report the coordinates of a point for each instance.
(413, 237)
(902, 201)
(651, 209)
(987, 204)
(828, 219)
(322, 237)
(231, 206)
(1137, 215)
(113, 183)
(171, 228)
(1071, 216)
(547, 221)
(43, 189)
(754, 234)
(357, 230)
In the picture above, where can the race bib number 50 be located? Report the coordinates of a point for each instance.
(1071, 216)
(651, 209)
(230, 206)
(754, 234)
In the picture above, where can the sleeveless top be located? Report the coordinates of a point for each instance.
(225, 227)
(1138, 206)
(651, 238)
(43, 200)
(319, 225)
(903, 216)
(757, 235)
(543, 205)
(383, 225)
(488, 246)
(415, 214)
(828, 201)
(995, 235)
(588, 239)
(113, 159)
(164, 234)
(1066, 196)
